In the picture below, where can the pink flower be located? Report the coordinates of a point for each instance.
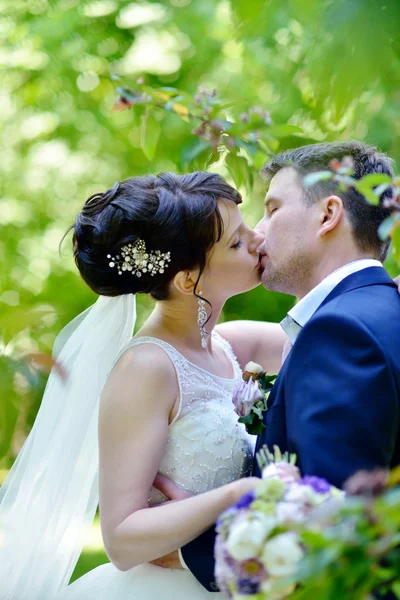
(285, 471)
(246, 395)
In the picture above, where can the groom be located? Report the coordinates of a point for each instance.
(336, 402)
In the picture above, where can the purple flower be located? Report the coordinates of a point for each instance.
(232, 510)
(247, 586)
(245, 500)
(318, 484)
(245, 396)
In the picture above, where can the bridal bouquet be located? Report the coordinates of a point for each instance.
(258, 546)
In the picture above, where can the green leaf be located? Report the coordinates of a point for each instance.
(192, 150)
(345, 171)
(238, 167)
(131, 96)
(250, 147)
(149, 135)
(248, 419)
(271, 143)
(366, 185)
(171, 91)
(258, 410)
(230, 104)
(213, 158)
(256, 428)
(313, 178)
(254, 424)
(378, 191)
(266, 381)
(281, 131)
(367, 192)
(386, 227)
(374, 179)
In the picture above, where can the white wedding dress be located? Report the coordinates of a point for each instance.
(206, 448)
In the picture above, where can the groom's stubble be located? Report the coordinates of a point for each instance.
(290, 258)
(289, 276)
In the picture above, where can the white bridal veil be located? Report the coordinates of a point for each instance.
(50, 496)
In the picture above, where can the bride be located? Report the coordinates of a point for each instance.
(129, 408)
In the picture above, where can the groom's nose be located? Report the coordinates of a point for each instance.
(258, 240)
(260, 227)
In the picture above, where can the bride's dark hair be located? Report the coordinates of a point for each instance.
(171, 213)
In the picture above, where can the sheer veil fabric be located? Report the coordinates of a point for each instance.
(50, 496)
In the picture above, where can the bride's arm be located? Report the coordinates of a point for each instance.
(255, 340)
(133, 428)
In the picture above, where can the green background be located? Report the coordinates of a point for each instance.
(331, 68)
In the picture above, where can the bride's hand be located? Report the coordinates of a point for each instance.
(173, 492)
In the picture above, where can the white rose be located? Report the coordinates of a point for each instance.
(252, 370)
(271, 488)
(246, 538)
(289, 512)
(304, 494)
(281, 554)
(285, 471)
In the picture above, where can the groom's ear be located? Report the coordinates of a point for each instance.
(331, 215)
(185, 281)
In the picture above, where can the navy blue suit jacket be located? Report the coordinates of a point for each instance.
(336, 402)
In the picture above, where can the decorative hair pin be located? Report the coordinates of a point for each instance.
(135, 259)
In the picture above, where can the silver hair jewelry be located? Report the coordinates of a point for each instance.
(135, 259)
(201, 319)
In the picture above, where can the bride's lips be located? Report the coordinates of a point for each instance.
(260, 264)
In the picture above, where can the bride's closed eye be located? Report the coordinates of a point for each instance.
(238, 244)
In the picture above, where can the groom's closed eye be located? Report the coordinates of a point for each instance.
(271, 206)
(270, 210)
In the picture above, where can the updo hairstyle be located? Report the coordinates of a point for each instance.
(171, 213)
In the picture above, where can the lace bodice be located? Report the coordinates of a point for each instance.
(206, 445)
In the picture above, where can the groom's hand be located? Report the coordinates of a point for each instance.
(173, 493)
(169, 488)
(169, 561)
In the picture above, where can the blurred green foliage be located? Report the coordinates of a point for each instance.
(352, 550)
(328, 68)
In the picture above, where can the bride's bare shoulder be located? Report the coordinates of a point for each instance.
(143, 371)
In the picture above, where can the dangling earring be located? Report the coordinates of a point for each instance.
(201, 319)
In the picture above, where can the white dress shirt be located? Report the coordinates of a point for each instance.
(302, 312)
(183, 564)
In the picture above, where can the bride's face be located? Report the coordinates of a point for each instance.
(233, 263)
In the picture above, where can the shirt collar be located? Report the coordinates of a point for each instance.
(305, 308)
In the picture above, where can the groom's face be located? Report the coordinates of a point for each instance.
(289, 226)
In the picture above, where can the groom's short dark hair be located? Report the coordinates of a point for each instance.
(364, 217)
